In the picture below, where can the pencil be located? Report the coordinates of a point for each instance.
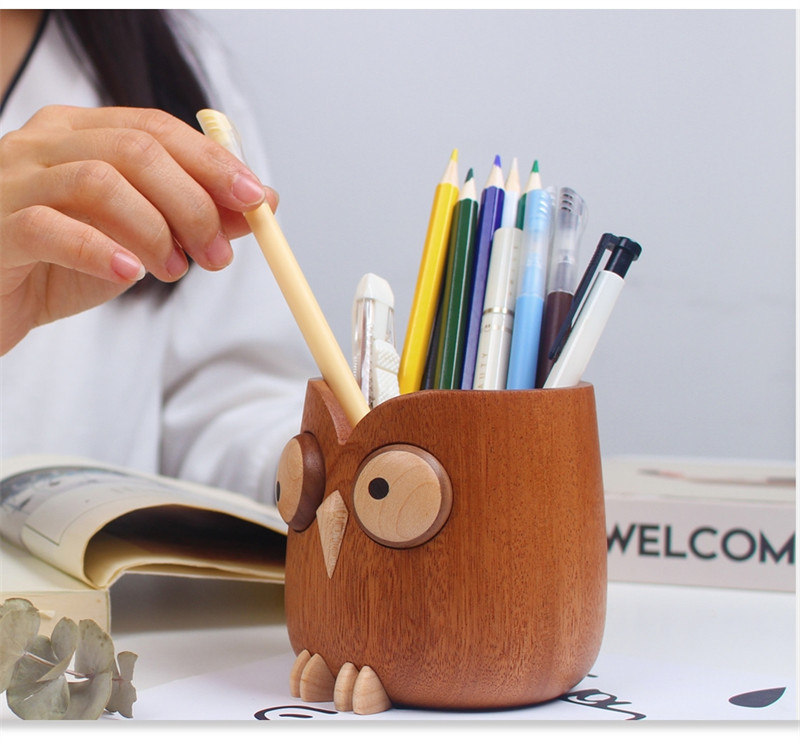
(534, 182)
(489, 216)
(429, 279)
(458, 280)
(494, 343)
(429, 373)
(309, 317)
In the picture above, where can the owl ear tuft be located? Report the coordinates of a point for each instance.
(323, 415)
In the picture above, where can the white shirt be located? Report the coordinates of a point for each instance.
(205, 382)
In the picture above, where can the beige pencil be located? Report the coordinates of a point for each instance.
(295, 288)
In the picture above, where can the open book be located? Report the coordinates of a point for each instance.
(96, 522)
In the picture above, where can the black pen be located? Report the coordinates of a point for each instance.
(577, 343)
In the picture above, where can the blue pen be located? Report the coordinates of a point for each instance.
(537, 234)
(489, 217)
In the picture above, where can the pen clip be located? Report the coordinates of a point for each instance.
(607, 240)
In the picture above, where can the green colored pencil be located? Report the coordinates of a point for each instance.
(457, 288)
(534, 182)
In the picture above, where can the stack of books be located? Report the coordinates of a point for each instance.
(721, 523)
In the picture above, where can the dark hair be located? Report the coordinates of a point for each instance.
(138, 59)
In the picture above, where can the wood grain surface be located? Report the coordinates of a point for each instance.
(505, 604)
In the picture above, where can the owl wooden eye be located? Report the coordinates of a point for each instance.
(300, 482)
(402, 496)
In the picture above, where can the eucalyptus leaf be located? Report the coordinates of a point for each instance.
(29, 695)
(33, 667)
(94, 662)
(123, 693)
(19, 624)
(88, 698)
(64, 640)
(95, 652)
(15, 603)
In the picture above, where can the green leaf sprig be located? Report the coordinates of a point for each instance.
(35, 670)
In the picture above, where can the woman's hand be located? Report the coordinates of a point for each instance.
(90, 199)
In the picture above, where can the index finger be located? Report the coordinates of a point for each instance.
(230, 182)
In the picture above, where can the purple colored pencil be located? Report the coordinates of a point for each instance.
(489, 217)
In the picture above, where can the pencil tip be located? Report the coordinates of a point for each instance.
(454, 155)
(535, 168)
(497, 162)
(470, 175)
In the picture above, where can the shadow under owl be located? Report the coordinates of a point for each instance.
(449, 551)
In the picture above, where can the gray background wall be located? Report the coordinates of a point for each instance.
(677, 128)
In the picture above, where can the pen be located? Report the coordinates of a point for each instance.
(562, 274)
(575, 348)
(491, 366)
(373, 322)
(490, 214)
(429, 279)
(536, 236)
(301, 301)
(458, 280)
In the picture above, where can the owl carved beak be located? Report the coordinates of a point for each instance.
(332, 517)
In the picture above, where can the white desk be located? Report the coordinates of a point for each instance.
(679, 644)
(219, 650)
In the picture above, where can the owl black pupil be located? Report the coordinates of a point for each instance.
(378, 488)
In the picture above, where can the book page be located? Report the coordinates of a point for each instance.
(178, 541)
(53, 507)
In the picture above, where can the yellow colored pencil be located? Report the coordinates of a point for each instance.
(302, 303)
(429, 280)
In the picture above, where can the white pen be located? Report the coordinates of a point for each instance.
(494, 343)
(594, 312)
(373, 321)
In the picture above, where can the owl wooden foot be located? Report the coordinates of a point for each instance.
(351, 690)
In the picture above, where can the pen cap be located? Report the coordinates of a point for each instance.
(623, 253)
(217, 126)
(539, 209)
(571, 214)
(570, 221)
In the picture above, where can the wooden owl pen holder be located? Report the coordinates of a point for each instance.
(449, 551)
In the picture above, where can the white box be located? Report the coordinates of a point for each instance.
(720, 523)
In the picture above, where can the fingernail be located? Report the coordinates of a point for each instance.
(127, 266)
(176, 265)
(247, 190)
(219, 253)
